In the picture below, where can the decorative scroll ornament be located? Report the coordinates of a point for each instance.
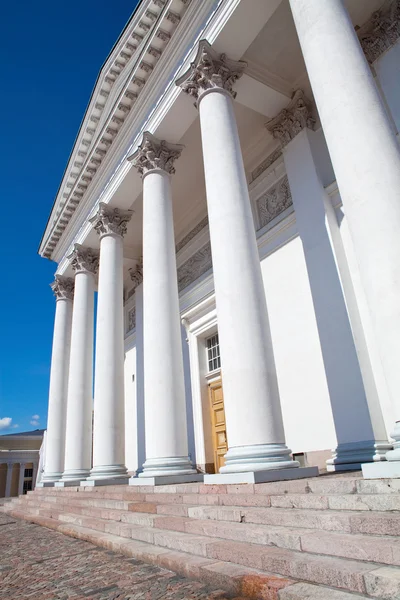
(63, 288)
(210, 70)
(137, 275)
(381, 31)
(155, 154)
(84, 259)
(292, 120)
(110, 220)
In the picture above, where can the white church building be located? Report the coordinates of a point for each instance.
(226, 238)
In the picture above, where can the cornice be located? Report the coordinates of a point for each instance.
(161, 93)
(134, 58)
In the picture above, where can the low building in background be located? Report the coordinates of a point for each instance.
(19, 459)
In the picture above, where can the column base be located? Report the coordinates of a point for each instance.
(262, 457)
(171, 466)
(105, 481)
(108, 472)
(350, 456)
(261, 476)
(44, 484)
(67, 483)
(51, 477)
(383, 470)
(75, 475)
(166, 479)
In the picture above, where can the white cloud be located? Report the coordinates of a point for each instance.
(35, 417)
(5, 423)
(35, 423)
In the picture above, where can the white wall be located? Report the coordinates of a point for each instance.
(387, 69)
(307, 413)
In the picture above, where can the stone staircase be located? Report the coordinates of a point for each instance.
(333, 537)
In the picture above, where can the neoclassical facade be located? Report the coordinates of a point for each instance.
(230, 214)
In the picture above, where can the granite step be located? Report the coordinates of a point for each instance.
(350, 575)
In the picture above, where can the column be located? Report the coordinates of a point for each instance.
(366, 159)
(34, 476)
(361, 438)
(252, 404)
(109, 414)
(63, 288)
(164, 390)
(9, 479)
(21, 478)
(78, 448)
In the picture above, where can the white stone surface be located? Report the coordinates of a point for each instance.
(57, 410)
(166, 479)
(368, 174)
(261, 476)
(382, 470)
(78, 442)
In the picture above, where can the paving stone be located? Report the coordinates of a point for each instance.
(380, 502)
(311, 501)
(64, 568)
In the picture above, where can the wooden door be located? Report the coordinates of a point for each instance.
(220, 441)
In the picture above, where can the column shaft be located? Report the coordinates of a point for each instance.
(9, 479)
(57, 412)
(108, 440)
(165, 404)
(21, 478)
(366, 159)
(79, 409)
(252, 404)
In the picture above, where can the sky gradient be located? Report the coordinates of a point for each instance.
(51, 53)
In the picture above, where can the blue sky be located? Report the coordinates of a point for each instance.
(50, 55)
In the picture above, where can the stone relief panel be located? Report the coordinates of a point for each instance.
(194, 267)
(273, 202)
(131, 318)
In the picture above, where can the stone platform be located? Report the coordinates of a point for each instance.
(329, 538)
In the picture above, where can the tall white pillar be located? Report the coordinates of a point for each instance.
(10, 466)
(251, 397)
(361, 438)
(21, 478)
(78, 447)
(164, 390)
(109, 414)
(63, 288)
(366, 159)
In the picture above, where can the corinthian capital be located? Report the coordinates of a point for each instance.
(110, 220)
(210, 70)
(63, 287)
(155, 154)
(292, 119)
(84, 259)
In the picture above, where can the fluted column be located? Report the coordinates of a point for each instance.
(251, 397)
(164, 390)
(109, 415)
(366, 158)
(21, 478)
(63, 288)
(78, 447)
